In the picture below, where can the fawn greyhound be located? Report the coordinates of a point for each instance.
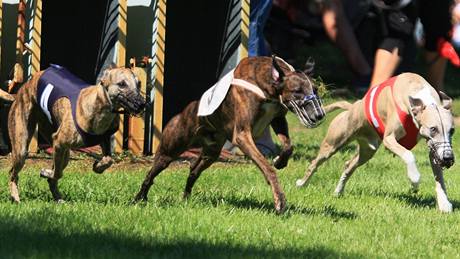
(398, 112)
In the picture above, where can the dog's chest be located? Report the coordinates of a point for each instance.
(266, 113)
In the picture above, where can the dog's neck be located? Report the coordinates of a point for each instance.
(94, 102)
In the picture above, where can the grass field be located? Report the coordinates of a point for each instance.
(231, 211)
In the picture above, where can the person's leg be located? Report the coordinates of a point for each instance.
(260, 10)
(436, 19)
(385, 65)
(339, 30)
(265, 143)
(436, 67)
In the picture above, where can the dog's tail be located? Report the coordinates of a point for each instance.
(6, 96)
(344, 105)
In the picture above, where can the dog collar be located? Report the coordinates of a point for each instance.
(255, 89)
(249, 86)
(110, 101)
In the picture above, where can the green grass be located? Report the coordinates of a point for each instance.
(231, 210)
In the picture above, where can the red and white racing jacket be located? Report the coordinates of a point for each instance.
(370, 107)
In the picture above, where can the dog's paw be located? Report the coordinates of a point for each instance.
(15, 200)
(186, 195)
(280, 204)
(300, 182)
(445, 207)
(6, 96)
(280, 162)
(140, 198)
(47, 173)
(100, 166)
(337, 194)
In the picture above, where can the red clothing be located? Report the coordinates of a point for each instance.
(370, 107)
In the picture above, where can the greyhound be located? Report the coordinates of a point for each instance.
(261, 93)
(70, 114)
(398, 112)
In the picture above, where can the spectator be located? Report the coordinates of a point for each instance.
(456, 22)
(340, 31)
(304, 15)
(437, 24)
(259, 12)
(395, 28)
(398, 19)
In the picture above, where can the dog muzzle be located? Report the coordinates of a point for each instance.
(309, 110)
(442, 153)
(131, 102)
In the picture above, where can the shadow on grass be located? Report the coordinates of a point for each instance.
(413, 199)
(26, 237)
(419, 201)
(268, 206)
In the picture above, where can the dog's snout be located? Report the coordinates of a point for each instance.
(448, 156)
(142, 106)
(319, 116)
(139, 104)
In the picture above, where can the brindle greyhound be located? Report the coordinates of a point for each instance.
(398, 113)
(70, 114)
(241, 117)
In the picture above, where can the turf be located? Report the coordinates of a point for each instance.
(231, 210)
(231, 213)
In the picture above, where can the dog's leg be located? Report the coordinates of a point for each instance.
(160, 163)
(337, 136)
(413, 174)
(441, 194)
(365, 152)
(208, 156)
(325, 152)
(61, 159)
(21, 128)
(175, 139)
(280, 126)
(246, 144)
(100, 166)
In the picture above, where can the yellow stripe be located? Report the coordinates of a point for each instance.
(35, 53)
(158, 71)
(122, 32)
(243, 48)
(120, 61)
(36, 37)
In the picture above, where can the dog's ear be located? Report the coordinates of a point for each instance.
(309, 66)
(446, 100)
(416, 105)
(277, 72)
(105, 78)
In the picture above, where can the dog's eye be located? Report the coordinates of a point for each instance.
(122, 84)
(433, 130)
